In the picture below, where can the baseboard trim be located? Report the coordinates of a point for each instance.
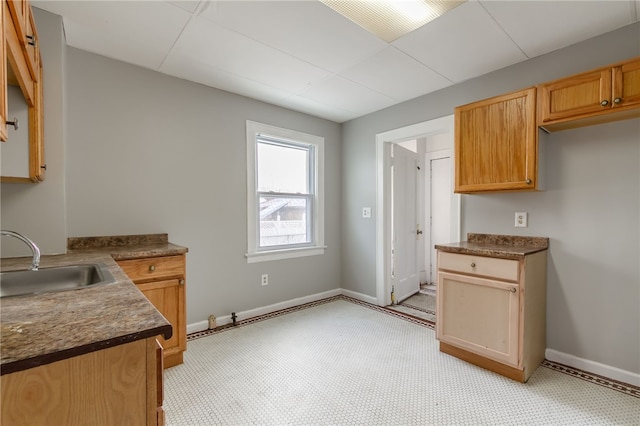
(226, 319)
(593, 367)
(359, 296)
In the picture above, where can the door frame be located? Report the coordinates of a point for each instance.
(383, 225)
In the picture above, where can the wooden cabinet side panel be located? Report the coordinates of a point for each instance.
(534, 327)
(101, 388)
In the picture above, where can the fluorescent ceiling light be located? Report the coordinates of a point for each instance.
(391, 19)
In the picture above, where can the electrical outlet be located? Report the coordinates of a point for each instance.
(265, 279)
(366, 212)
(521, 220)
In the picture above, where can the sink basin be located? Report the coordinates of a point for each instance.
(44, 280)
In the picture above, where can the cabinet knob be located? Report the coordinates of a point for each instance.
(528, 181)
(181, 282)
(473, 264)
(512, 289)
(617, 100)
(152, 268)
(604, 103)
(13, 123)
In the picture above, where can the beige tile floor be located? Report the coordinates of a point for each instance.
(344, 362)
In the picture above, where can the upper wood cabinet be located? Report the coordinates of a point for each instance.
(606, 94)
(27, 35)
(496, 144)
(3, 79)
(21, 96)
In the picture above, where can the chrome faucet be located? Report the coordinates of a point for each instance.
(34, 248)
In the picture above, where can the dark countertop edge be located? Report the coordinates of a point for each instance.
(489, 252)
(25, 364)
(493, 245)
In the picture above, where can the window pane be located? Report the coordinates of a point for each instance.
(283, 168)
(284, 221)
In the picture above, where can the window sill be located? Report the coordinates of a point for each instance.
(265, 256)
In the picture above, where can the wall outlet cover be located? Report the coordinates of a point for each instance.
(366, 212)
(521, 220)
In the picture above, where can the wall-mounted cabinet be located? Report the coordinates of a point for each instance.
(496, 144)
(602, 95)
(21, 97)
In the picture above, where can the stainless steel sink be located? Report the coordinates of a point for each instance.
(44, 280)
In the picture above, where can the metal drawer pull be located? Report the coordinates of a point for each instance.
(512, 289)
(617, 100)
(473, 265)
(181, 282)
(604, 103)
(152, 268)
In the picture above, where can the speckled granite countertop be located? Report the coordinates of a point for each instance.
(501, 246)
(42, 328)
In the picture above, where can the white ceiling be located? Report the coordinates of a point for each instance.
(304, 56)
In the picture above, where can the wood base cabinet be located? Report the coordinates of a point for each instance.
(114, 386)
(491, 312)
(162, 281)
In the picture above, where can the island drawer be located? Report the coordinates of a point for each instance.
(504, 269)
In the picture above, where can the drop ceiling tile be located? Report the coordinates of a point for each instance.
(341, 93)
(308, 30)
(308, 106)
(461, 44)
(396, 75)
(208, 43)
(214, 77)
(189, 6)
(540, 27)
(137, 32)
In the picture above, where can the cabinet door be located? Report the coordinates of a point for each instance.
(575, 96)
(496, 144)
(479, 315)
(626, 85)
(3, 77)
(169, 298)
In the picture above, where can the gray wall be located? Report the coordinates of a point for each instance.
(590, 208)
(149, 153)
(38, 210)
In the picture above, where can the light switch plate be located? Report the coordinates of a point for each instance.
(366, 212)
(521, 219)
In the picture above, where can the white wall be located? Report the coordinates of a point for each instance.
(590, 209)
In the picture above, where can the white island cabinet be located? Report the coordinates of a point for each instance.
(491, 302)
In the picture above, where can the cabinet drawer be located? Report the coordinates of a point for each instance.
(153, 268)
(503, 269)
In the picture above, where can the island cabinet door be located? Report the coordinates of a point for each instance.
(479, 315)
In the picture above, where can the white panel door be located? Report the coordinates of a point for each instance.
(440, 191)
(404, 247)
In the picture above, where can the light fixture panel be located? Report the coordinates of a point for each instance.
(391, 19)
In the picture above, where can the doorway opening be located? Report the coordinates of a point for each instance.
(416, 207)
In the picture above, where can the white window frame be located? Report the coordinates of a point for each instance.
(254, 254)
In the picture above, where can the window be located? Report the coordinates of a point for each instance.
(285, 202)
